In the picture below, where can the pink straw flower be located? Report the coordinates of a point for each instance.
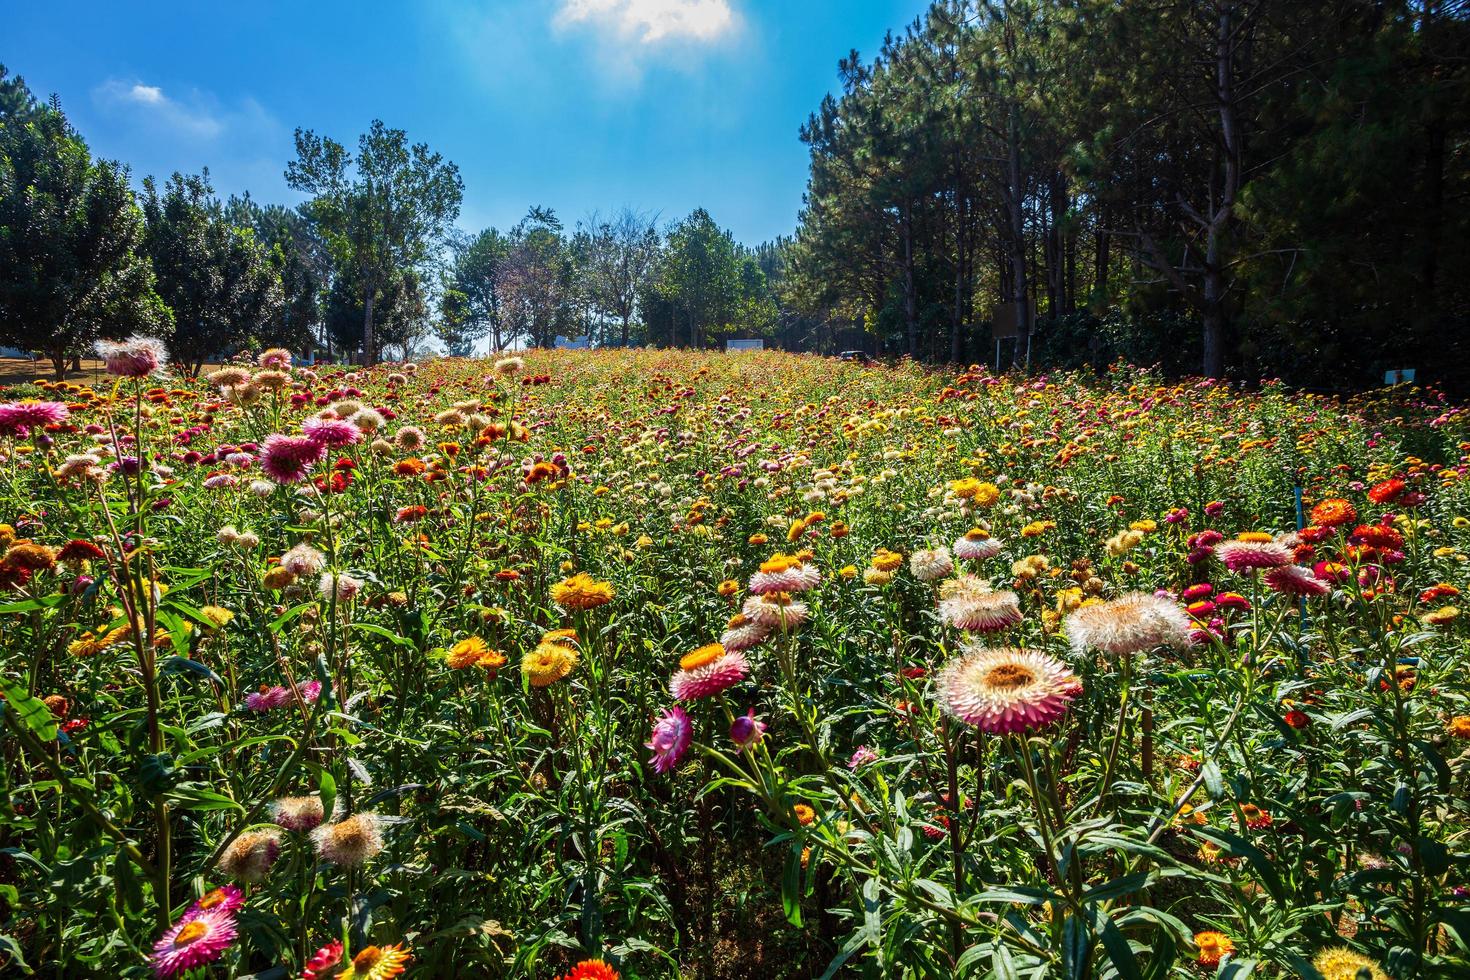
(17, 418)
(1005, 690)
(1247, 556)
(136, 357)
(193, 942)
(331, 432)
(286, 459)
(703, 680)
(746, 730)
(968, 603)
(1294, 580)
(226, 898)
(672, 734)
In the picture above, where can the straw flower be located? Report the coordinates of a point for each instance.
(193, 942)
(968, 603)
(1213, 947)
(349, 842)
(136, 357)
(298, 813)
(976, 545)
(1131, 624)
(742, 633)
(548, 663)
(250, 856)
(377, 963)
(775, 610)
(931, 564)
(1248, 553)
(672, 734)
(1006, 690)
(581, 592)
(707, 672)
(1341, 963)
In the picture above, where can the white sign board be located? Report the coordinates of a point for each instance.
(573, 343)
(744, 345)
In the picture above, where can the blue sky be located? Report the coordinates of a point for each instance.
(664, 105)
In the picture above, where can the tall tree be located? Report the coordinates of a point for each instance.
(478, 273)
(302, 262)
(215, 276)
(70, 235)
(538, 290)
(382, 212)
(622, 251)
(700, 276)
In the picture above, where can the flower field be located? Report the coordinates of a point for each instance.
(667, 664)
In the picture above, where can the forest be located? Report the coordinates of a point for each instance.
(1261, 189)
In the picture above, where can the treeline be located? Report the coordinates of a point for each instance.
(1271, 187)
(616, 280)
(371, 265)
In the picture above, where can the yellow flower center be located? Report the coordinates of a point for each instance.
(191, 932)
(1008, 676)
(212, 899)
(779, 563)
(704, 655)
(367, 959)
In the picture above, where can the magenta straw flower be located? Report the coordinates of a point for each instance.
(672, 734)
(1247, 556)
(1005, 690)
(331, 432)
(193, 942)
(708, 671)
(136, 357)
(747, 730)
(1294, 580)
(266, 699)
(226, 899)
(286, 459)
(18, 418)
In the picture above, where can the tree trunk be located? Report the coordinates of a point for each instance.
(1101, 259)
(368, 355)
(1214, 312)
(76, 362)
(58, 362)
(1433, 211)
(1016, 244)
(910, 299)
(625, 331)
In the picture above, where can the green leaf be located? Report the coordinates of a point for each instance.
(13, 953)
(1214, 783)
(1115, 943)
(326, 786)
(288, 615)
(193, 798)
(386, 634)
(1237, 846)
(1021, 894)
(28, 712)
(1116, 888)
(791, 885)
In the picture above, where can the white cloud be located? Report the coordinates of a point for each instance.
(194, 117)
(145, 94)
(650, 21)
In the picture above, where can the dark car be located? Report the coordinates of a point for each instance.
(859, 356)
